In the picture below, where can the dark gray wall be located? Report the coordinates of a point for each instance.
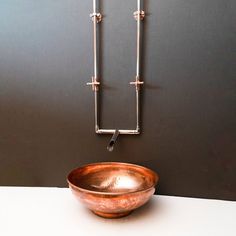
(188, 101)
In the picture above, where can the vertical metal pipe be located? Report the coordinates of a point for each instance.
(96, 110)
(138, 39)
(139, 5)
(137, 110)
(138, 66)
(95, 58)
(95, 39)
(94, 6)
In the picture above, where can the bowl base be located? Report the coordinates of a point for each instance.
(111, 215)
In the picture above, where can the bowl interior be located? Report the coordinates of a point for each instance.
(113, 177)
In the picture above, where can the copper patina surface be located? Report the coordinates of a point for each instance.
(112, 189)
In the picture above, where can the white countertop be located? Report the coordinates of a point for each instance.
(54, 211)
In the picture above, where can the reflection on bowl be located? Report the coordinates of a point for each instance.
(112, 189)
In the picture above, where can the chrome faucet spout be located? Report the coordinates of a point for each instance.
(111, 144)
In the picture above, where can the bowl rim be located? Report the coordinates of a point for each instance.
(156, 179)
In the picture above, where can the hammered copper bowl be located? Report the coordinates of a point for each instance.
(112, 189)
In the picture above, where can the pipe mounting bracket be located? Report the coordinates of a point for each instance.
(95, 84)
(137, 83)
(138, 14)
(97, 16)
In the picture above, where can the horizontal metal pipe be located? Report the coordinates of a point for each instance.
(121, 131)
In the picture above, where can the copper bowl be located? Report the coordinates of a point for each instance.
(112, 189)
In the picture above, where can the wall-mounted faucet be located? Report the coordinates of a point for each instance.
(114, 137)
(96, 16)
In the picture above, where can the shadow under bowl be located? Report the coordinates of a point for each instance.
(112, 189)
